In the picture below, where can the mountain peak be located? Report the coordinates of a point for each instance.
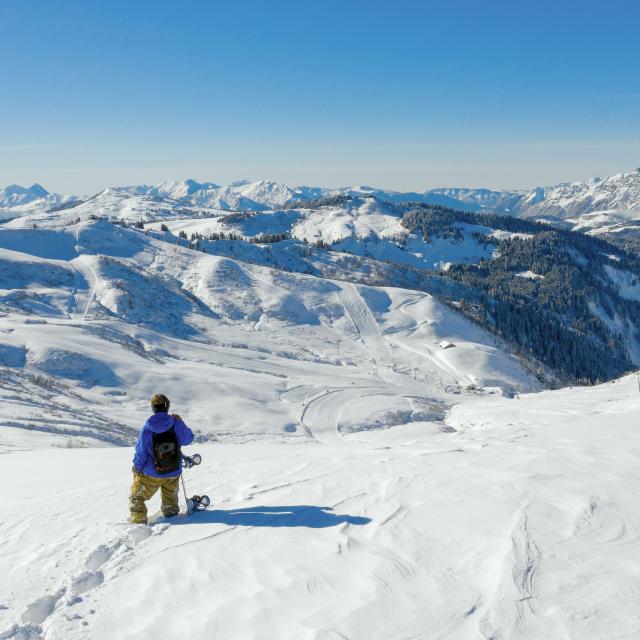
(15, 195)
(38, 189)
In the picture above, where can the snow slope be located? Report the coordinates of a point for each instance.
(366, 482)
(100, 315)
(521, 523)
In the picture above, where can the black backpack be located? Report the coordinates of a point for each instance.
(166, 451)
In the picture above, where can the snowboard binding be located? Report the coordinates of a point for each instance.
(191, 461)
(197, 503)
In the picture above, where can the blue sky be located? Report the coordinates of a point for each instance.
(402, 94)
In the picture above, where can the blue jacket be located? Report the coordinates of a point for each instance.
(159, 423)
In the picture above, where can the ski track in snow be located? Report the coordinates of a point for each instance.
(84, 297)
(364, 323)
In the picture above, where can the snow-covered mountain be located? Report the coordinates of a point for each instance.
(91, 310)
(616, 193)
(238, 196)
(363, 223)
(502, 202)
(379, 463)
(15, 195)
(366, 240)
(599, 205)
(16, 200)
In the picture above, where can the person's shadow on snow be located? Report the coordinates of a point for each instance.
(290, 516)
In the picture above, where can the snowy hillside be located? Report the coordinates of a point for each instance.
(471, 260)
(379, 464)
(99, 314)
(364, 227)
(366, 240)
(518, 520)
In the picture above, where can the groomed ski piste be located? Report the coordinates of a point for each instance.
(378, 466)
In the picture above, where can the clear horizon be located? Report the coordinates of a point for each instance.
(406, 97)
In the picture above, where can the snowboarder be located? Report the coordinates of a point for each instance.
(157, 463)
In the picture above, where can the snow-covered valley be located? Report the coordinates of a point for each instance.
(380, 466)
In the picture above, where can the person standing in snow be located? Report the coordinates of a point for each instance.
(157, 463)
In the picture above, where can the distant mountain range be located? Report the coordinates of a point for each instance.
(566, 200)
(600, 205)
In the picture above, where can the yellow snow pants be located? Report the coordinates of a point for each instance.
(144, 488)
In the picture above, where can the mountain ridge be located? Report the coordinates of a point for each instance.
(620, 192)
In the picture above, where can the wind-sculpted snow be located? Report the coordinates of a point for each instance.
(496, 527)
